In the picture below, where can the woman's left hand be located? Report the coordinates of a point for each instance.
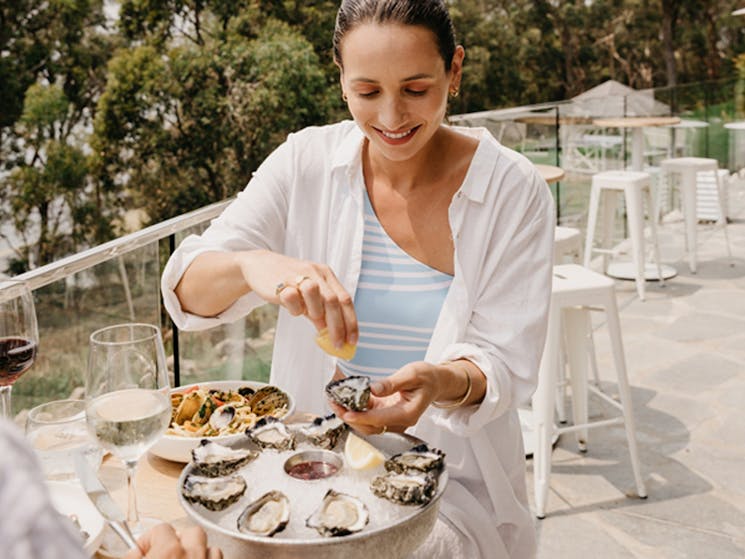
(396, 402)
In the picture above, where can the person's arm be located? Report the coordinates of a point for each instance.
(215, 280)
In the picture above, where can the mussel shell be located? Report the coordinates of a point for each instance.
(267, 400)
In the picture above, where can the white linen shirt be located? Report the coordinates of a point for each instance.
(306, 201)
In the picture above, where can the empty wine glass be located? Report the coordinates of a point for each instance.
(19, 337)
(127, 397)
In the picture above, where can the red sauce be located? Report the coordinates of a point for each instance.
(312, 470)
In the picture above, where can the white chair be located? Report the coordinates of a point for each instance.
(576, 289)
(567, 244)
(689, 168)
(635, 186)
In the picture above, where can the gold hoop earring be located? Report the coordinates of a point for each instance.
(344, 97)
(454, 92)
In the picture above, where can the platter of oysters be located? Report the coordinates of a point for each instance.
(285, 490)
(220, 411)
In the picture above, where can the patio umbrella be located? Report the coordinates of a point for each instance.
(740, 12)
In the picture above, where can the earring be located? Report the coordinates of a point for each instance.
(454, 92)
(344, 97)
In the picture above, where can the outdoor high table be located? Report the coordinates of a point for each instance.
(550, 173)
(624, 270)
(637, 125)
(735, 127)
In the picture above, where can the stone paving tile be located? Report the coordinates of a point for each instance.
(685, 353)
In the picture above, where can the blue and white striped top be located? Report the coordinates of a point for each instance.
(397, 302)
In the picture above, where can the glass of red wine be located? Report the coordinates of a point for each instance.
(19, 337)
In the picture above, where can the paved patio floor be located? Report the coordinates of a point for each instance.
(685, 352)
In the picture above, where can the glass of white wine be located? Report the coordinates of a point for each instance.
(127, 398)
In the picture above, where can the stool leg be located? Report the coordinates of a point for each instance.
(592, 219)
(609, 222)
(590, 345)
(614, 330)
(561, 380)
(688, 198)
(575, 320)
(722, 214)
(636, 232)
(543, 412)
(653, 230)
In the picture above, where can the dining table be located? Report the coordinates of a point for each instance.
(636, 124)
(157, 493)
(550, 173)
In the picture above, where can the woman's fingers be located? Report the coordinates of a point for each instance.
(346, 309)
(194, 542)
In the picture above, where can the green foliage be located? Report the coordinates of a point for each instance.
(187, 127)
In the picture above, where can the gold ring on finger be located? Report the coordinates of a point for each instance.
(280, 286)
(385, 428)
(299, 280)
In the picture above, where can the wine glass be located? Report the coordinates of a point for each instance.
(127, 397)
(19, 337)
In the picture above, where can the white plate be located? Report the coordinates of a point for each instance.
(178, 449)
(69, 499)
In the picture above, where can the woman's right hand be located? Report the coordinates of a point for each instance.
(303, 288)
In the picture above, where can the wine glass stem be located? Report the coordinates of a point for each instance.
(133, 518)
(5, 409)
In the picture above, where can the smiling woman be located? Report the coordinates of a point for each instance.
(426, 246)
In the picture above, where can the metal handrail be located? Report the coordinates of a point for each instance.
(60, 269)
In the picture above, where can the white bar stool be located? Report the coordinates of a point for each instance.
(567, 244)
(575, 289)
(634, 186)
(688, 169)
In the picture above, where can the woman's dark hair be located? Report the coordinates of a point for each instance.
(431, 14)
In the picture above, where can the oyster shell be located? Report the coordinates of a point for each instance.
(324, 431)
(420, 458)
(213, 493)
(352, 392)
(268, 400)
(338, 515)
(212, 459)
(266, 516)
(407, 489)
(270, 432)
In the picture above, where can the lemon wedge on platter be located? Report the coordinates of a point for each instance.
(345, 352)
(360, 454)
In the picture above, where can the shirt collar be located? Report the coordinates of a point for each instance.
(349, 150)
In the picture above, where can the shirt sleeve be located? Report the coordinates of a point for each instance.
(36, 531)
(506, 332)
(255, 220)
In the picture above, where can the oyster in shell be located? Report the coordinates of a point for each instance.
(266, 516)
(268, 400)
(352, 392)
(270, 432)
(214, 493)
(212, 459)
(324, 431)
(338, 515)
(420, 458)
(406, 489)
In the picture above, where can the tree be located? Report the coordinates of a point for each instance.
(51, 71)
(186, 127)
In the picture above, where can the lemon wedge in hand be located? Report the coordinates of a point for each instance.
(345, 352)
(360, 454)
